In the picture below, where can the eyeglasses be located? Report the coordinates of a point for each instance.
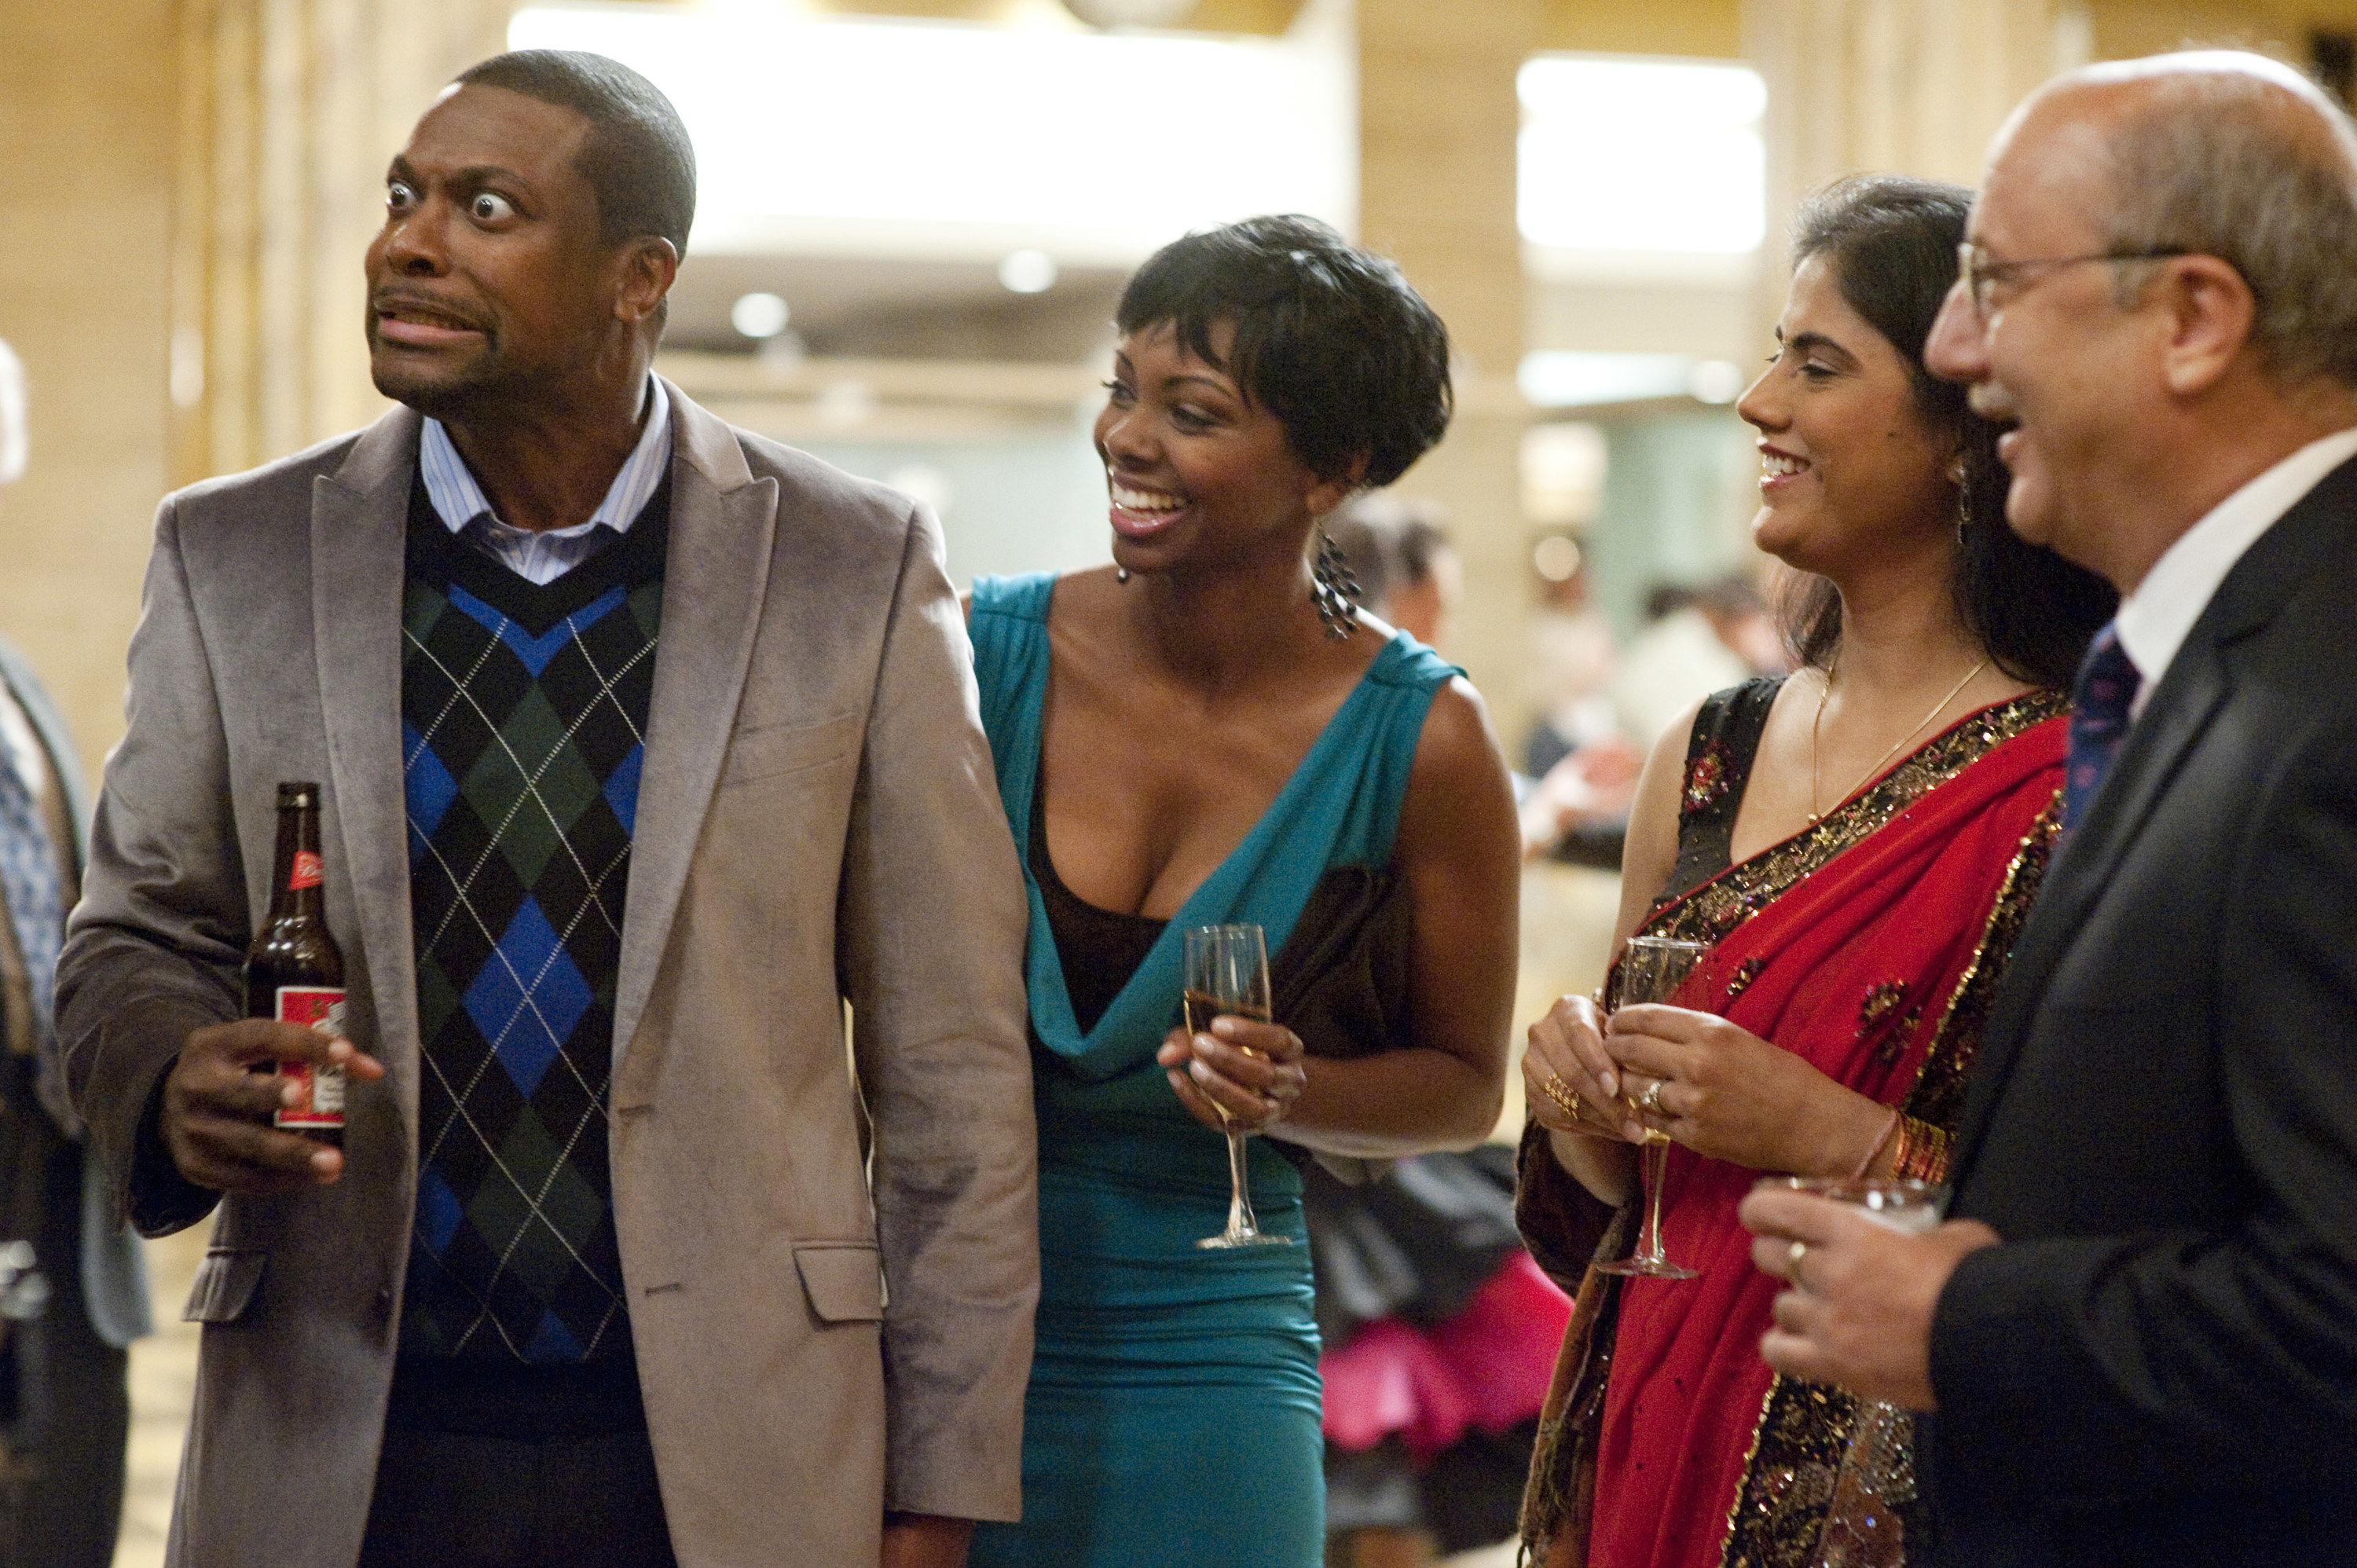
(1980, 275)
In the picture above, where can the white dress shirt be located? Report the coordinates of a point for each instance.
(542, 558)
(2155, 620)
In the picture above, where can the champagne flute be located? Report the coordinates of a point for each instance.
(1878, 1471)
(1227, 972)
(1651, 969)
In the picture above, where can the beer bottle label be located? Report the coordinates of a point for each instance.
(308, 872)
(319, 1105)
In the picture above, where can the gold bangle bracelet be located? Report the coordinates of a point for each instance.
(1923, 1153)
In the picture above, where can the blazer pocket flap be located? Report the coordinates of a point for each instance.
(845, 1280)
(774, 749)
(226, 1282)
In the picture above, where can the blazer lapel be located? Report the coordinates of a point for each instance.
(2180, 710)
(2189, 696)
(359, 528)
(723, 523)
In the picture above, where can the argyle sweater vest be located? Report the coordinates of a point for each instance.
(524, 724)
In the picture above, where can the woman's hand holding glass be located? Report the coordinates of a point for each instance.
(1249, 1069)
(1730, 1095)
(1570, 1080)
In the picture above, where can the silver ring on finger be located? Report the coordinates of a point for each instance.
(1792, 1264)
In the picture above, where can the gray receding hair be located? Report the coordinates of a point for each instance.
(2219, 164)
(12, 415)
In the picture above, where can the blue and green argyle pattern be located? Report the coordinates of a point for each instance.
(524, 725)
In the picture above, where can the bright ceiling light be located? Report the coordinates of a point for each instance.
(759, 315)
(1130, 13)
(939, 140)
(1558, 378)
(1641, 154)
(1027, 272)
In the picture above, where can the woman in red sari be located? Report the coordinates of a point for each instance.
(1859, 842)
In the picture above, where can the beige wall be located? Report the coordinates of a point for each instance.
(1697, 27)
(1437, 119)
(86, 134)
(2124, 28)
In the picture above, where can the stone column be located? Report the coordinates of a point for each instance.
(1888, 86)
(1437, 122)
(86, 137)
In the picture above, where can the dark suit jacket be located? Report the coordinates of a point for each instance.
(2160, 1365)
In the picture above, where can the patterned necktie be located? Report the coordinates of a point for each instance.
(2099, 720)
(28, 880)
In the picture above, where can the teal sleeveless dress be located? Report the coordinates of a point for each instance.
(1173, 1411)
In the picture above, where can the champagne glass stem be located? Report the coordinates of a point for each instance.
(1241, 1221)
(1657, 1165)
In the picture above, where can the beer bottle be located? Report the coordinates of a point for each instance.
(295, 971)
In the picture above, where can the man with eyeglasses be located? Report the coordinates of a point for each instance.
(2138, 1336)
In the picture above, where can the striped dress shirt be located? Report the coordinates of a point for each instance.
(541, 558)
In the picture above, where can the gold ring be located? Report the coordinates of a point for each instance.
(1562, 1094)
(1651, 1101)
(1792, 1261)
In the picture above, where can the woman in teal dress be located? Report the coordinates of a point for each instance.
(1195, 736)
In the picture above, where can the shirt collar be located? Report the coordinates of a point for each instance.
(2155, 620)
(459, 501)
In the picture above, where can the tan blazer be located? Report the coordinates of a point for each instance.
(817, 822)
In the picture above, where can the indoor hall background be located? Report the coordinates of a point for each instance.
(185, 186)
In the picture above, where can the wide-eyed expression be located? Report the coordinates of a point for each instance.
(1847, 461)
(489, 277)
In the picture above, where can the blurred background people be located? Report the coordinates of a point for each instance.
(1695, 642)
(65, 1369)
(1209, 731)
(1589, 744)
(1856, 842)
(1408, 571)
(1568, 671)
(1437, 1331)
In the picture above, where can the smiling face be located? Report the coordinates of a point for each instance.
(2057, 360)
(1198, 473)
(489, 283)
(1848, 462)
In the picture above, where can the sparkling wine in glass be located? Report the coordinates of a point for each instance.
(1651, 969)
(1227, 972)
(1876, 1474)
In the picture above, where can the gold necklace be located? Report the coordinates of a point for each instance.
(1818, 723)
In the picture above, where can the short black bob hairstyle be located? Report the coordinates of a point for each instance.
(1890, 243)
(1328, 337)
(638, 157)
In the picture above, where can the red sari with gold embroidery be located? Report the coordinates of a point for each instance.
(1867, 945)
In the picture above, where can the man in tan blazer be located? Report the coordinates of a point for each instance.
(645, 746)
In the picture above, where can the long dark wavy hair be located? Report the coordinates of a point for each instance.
(1890, 243)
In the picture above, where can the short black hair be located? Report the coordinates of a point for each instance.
(637, 158)
(1890, 244)
(1328, 337)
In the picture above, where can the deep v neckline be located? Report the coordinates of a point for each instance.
(1215, 895)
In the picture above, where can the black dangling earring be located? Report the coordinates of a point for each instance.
(1121, 573)
(1334, 589)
